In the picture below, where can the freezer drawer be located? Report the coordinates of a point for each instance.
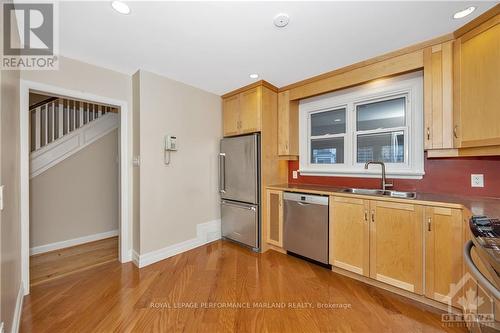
(306, 225)
(240, 222)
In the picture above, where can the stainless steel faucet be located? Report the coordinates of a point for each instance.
(384, 184)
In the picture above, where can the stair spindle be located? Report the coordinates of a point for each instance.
(50, 127)
(60, 119)
(38, 135)
(45, 125)
(80, 114)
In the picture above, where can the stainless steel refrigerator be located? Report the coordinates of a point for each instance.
(239, 186)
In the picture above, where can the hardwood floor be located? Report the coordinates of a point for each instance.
(55, 264)
(220, 287)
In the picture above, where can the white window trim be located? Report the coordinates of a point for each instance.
(410, 85)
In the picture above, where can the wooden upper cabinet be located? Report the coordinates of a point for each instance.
(242, 112)
(349, 234)
(438, 96)
(443, 252)
(250, 110)
(275, 218)
(288, 126)
(231, 115)
(396, 244)
(477, 86)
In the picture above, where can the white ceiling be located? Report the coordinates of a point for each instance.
(216, 45)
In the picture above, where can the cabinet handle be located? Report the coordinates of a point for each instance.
(366, 216)
(428, 133)
(373, 216)
(455, 132)
(429, 221)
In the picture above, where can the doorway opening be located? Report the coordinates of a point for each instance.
(74, 184)
(74, 177)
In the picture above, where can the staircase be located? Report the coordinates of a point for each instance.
(60, 127)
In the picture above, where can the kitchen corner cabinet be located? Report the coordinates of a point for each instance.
(275, 218)
(477, 86)
(396, 244)
(242, 112)
(443, 251)
(349, 234)
(288, 126)
(438, 96)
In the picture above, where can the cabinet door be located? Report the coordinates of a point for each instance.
(438, 96)
(443, 252)
(396, 244)
(275, 218)
(250, 110)
(349, 234)
(288, 125)
(477, 55)
(231, 115)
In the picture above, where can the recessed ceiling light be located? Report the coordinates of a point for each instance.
(281, 20)
(121, 7)
(254, 76)
(464, 13)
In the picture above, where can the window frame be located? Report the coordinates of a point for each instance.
(326, 136)
(409, 86)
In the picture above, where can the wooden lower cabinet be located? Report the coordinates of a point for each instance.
(274, 218)
(396, 254)
(378, 239)
(443, 252)
(349, 234)
(400, 244)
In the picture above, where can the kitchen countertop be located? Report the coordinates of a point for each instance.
(477, 205)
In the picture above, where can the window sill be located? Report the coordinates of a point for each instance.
(394, 174)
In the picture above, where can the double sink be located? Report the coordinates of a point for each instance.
(381, 192)
(384, 193)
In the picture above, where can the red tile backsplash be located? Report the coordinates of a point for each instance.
(450, 176)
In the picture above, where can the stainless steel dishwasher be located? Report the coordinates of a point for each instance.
(306, 225)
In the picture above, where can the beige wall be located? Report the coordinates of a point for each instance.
(175, 198)
(10, 226)
(77, 197)
(10, 178)
(87, 78)
(136, 152)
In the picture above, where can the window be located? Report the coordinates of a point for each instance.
(380, 130)
(380, 121)
(328, 136)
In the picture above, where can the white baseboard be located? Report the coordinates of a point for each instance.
(135, 258)
(16, 319)
(72, 242)
(205, 233)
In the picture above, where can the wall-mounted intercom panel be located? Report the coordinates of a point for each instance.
(170, 143)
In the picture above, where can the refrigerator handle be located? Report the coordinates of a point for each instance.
(222, 172)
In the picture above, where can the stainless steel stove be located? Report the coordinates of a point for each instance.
(485, 268)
